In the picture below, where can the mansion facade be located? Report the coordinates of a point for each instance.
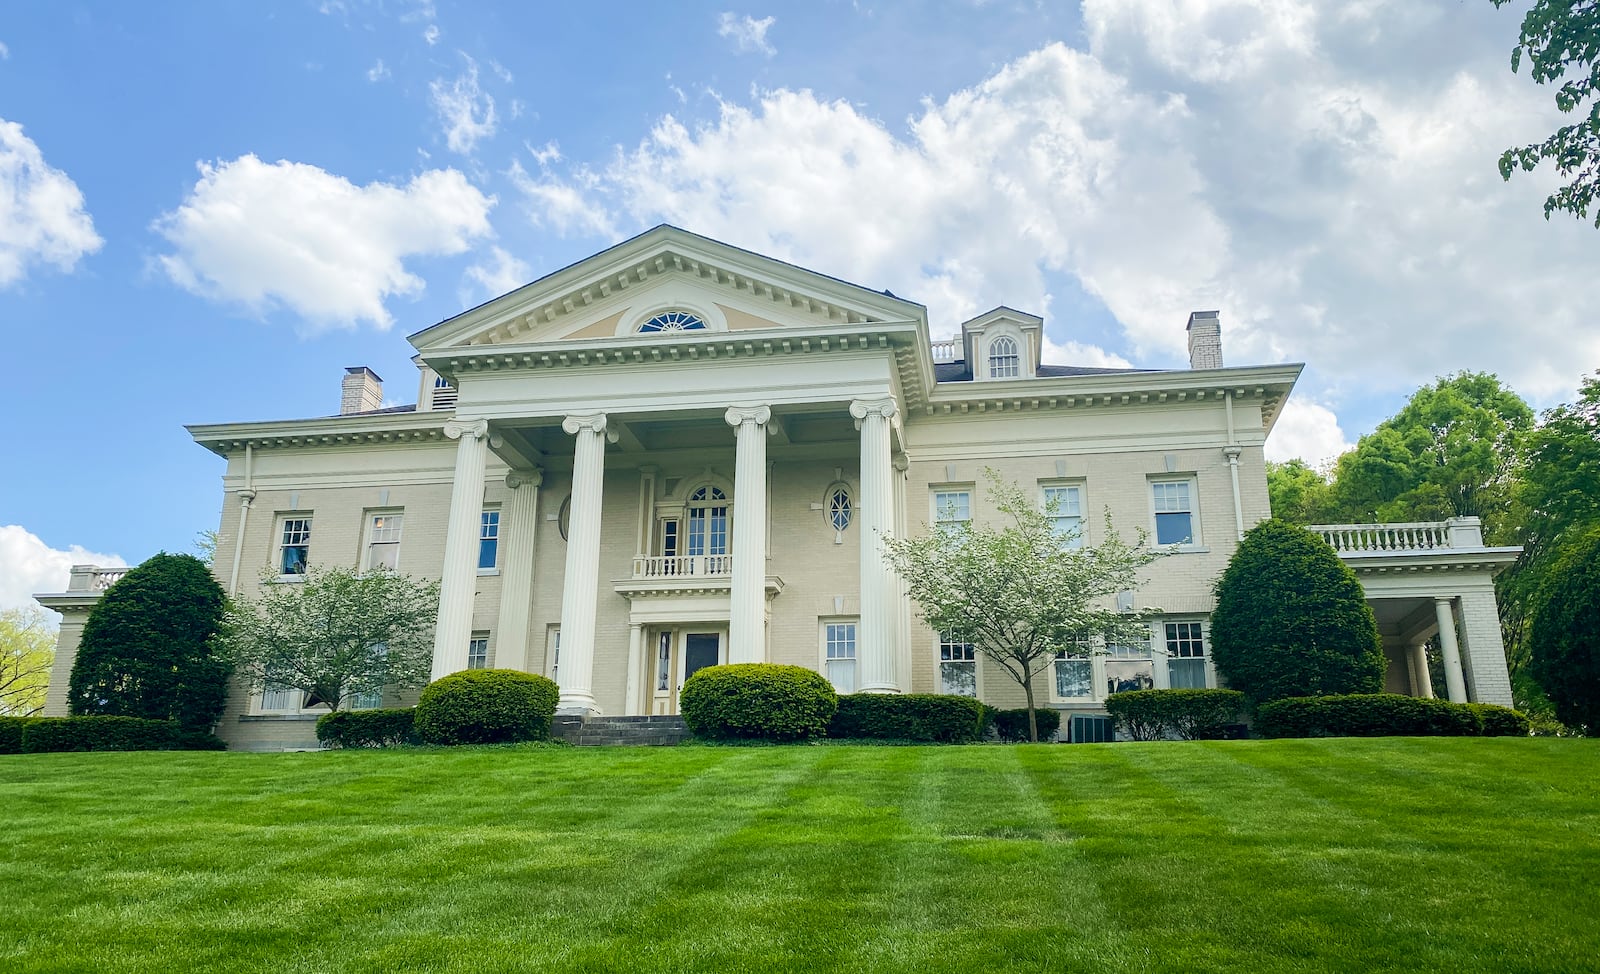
(677, 453)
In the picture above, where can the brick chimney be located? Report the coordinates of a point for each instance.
(363, 391)
(1205, 340)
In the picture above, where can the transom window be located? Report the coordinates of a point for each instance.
(383, 541)
(952, 510)
(1004, 362)
(488, 539)
(1065, 508)
(295, 546)
(1174, 504)
(840, 507)
(672, 321)
(1186, 655)
(839, 653)
(958, 667)
(708, 522)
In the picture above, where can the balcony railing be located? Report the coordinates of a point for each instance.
(683, 566)
(93, 578)
(1461, 532)
(949, 351)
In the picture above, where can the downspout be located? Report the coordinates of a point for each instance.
(1232, 451)
(245, 497)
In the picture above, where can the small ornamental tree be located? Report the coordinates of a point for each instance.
(1292, 620)
(27, 648)
(1017, 590)
(1565, 635)
(335, 635)
(148, 648)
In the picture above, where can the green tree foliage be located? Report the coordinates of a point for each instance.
(1561, 42)
(27, 649)
(1291, 619)
(1565, 635)
(336, 634)
(1452, 451)
(1015, 590)
(148, 647)
(1299, 493)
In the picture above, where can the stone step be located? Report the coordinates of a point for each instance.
(640, 731)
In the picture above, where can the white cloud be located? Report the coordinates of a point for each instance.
(431, 34)
(28, 566)
(290, 235)
(500, 71)
(746, 32)
(378, 72)
(42, 217)
(1080, 354)
(466, 110)
(565, 206)
(503, 273)
(5, 52)
(1308, 430)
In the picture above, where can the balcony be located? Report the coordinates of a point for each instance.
(683, 566)
(1417, 546)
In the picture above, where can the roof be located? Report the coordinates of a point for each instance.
(960, 371)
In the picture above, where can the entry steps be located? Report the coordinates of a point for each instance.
(620, 731)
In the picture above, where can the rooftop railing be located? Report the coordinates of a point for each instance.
(1460, 532)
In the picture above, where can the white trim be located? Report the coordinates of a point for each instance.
(672, 296)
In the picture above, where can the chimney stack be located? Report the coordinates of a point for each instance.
(363, 391)
(1205, 340)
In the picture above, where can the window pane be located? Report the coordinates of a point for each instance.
(478, 653)
(1173, 529)
(952, 509)
(295, 546)
(1187, 674)
(277, 697)
(960, 679)
(1125, 675)
(664, 661)
(1074, 677)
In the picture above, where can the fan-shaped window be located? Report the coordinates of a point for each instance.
(1004, 363)
(708, 522)
(840, 507)
(673, 321)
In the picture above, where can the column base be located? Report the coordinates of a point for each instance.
(879, 688)
(578, 708)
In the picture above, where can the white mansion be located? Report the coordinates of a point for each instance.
(677, 453)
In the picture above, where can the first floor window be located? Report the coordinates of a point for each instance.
(478, 651)
(383, 541)
(839, 651)
(1174, 506)
(1186, 655)
(1129, 666)
(958, 667)
(365, 701)
(952, 510)
(294, 545)
(276, 696)
(488, 539)
(1074, 672)
(1064, 505)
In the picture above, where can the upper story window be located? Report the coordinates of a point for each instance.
(488, 540)
(1004, 362)
(478, 651)
(708, 521)
(673, 321)
(840, 507)
(1174, 509)
(1064, 506)
(444, 394)
(294, 546)
(952, 510)
(383, 540)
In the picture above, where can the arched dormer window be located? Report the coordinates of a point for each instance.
(708, 521)
(672, 321)
(1004, 362)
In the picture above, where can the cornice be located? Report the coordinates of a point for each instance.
(1439, 560)
(227, 438)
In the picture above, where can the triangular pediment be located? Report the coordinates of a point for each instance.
(666, 270)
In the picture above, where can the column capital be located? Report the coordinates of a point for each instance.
(883, 406)
(590, 423)
(525, 478)
(1232, 453)
(455, 429)
(737, 416)
(901, 462)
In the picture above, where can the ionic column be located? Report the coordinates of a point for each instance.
(458, 581)
(747, 638)
(519, 531)
(876, 647)
(1421, 681)
(1454, 681)
(580, 591)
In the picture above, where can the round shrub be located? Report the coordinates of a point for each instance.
(1292, 620)
(1012, 725)
(757, 701)
(367, 728)
(1502, 721)
(938, 718)
(486, 707)
(1192, 715)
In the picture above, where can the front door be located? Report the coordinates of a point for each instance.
(700, 649)
(678, 655)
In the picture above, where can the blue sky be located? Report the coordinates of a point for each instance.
(208, 210)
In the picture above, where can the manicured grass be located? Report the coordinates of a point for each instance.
(1351, 855)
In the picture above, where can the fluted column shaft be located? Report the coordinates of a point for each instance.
(581, 588)
(876, 645)
(458, 582)
(1454, 682)
(747, 629)
(1422, 681)
(519, 532)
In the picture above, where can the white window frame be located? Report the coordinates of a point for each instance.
(484, 522)
(936, 507)
(825, 636)
(1192, 482)
(478, 649)
(281, 528)
(552, 651)
(1169, 643)
(943, 647)
(1092, 650)
(372, 531)
(1008, 357)
(1076, 487)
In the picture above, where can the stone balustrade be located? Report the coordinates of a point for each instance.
(949, 351)
(1456, 533)
(93, 578)
(683, 566)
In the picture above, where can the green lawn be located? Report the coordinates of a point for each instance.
(1354, 855)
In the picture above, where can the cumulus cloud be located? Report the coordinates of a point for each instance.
(1308, 430)
(378, 72)
(42, 216)
(502, 272)
(747, 33)
(465, 109)
(28, 566)
(291, 235)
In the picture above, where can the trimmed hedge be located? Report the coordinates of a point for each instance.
(1192, 715)
(486, 707)
(96, 733)
(1502, 721)
(1367, 715)
(368, 728)
(11, 730)
(939, 718)
(757, 701)
(1012, 725)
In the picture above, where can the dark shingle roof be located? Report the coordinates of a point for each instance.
(961, 372)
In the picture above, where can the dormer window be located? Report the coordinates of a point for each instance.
(672, 321)
(1004, 362)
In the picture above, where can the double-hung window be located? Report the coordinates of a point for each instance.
(1129, 665)
(294, 546)
(839, 654)
(478, 651)
(1186, 655)
(1063, 504)
(1074, 671)
(952, 510)
(488, 540)
(1174, 509)
(383, 540)
(958, 667)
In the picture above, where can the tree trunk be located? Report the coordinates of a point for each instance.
(1033, 721)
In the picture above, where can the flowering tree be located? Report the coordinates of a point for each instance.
(1018, 590)
(27, 648)
(335, 635)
